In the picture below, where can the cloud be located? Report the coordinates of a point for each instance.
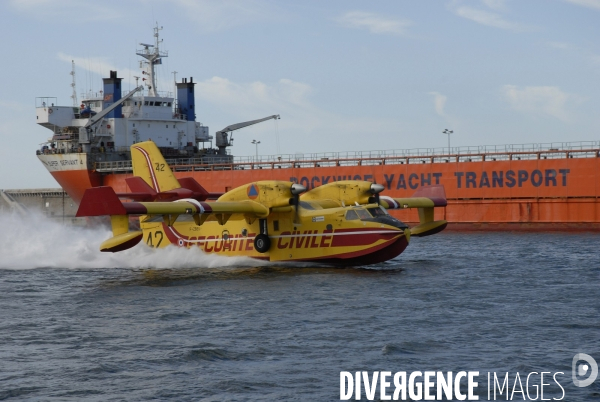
(540, 100)
(255, 94)
(209, 15)
(374, 23)
(220, 15)
(290, 99)
(303, 122)
(586, 54)
(439, 102)
(586, 3)
(72, 10)
(102, 66)
(495, 4)
(98, 65)
(12, 105)
(560, 45)
(490, 19)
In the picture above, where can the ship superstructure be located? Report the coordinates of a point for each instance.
(105, 124)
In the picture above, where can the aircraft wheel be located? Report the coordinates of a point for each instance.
(262, 243)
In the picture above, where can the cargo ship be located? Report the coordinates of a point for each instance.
(500, 187)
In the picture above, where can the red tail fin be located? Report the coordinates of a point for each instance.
(98, 201)
(138, 185)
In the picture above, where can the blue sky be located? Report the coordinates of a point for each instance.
(343, 75)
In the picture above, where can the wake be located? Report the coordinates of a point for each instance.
(35, 241)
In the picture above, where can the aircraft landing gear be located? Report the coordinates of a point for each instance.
(262, 243)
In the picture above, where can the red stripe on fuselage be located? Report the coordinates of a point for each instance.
(150, 169)
(361, 237)
(372, 255)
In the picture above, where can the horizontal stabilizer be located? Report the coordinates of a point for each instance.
(191, 184)
(140, 190)
(98, 201)
(190, 188)
(200, 192)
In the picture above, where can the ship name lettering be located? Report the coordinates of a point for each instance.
(512, 178)
(68, 162)
(414, 180)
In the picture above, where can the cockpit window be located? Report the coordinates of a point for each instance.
(363, 213)
(378, 211)
(351, 215)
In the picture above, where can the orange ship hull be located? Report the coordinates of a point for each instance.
(548, 194)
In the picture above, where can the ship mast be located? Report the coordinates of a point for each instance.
(154, 56)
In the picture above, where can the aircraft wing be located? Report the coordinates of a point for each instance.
(413, 202)
(425, 200)
(100, 201)
(425, 197)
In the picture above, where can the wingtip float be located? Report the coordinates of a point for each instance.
(343, 222)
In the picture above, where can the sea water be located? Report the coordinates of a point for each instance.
(177, 324)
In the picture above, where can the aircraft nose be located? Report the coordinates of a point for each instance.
(391, 221)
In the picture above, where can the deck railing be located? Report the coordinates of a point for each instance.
(554, 150)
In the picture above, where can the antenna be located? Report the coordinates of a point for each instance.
(175, 84)
(74, 95)
(153, 56)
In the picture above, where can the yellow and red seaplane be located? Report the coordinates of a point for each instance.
(343, 222)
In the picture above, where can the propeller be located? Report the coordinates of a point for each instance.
(375, 190)
(296, 189)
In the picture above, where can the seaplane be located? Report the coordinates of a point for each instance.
(339, 223)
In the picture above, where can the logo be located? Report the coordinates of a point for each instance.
(252, 191)
(583, 369)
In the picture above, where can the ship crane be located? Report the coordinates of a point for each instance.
(222, 141)
(104, 112)
(84, 132)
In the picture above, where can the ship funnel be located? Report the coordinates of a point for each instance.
(185, 99)
(112, 94)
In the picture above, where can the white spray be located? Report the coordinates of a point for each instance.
(38, 242)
